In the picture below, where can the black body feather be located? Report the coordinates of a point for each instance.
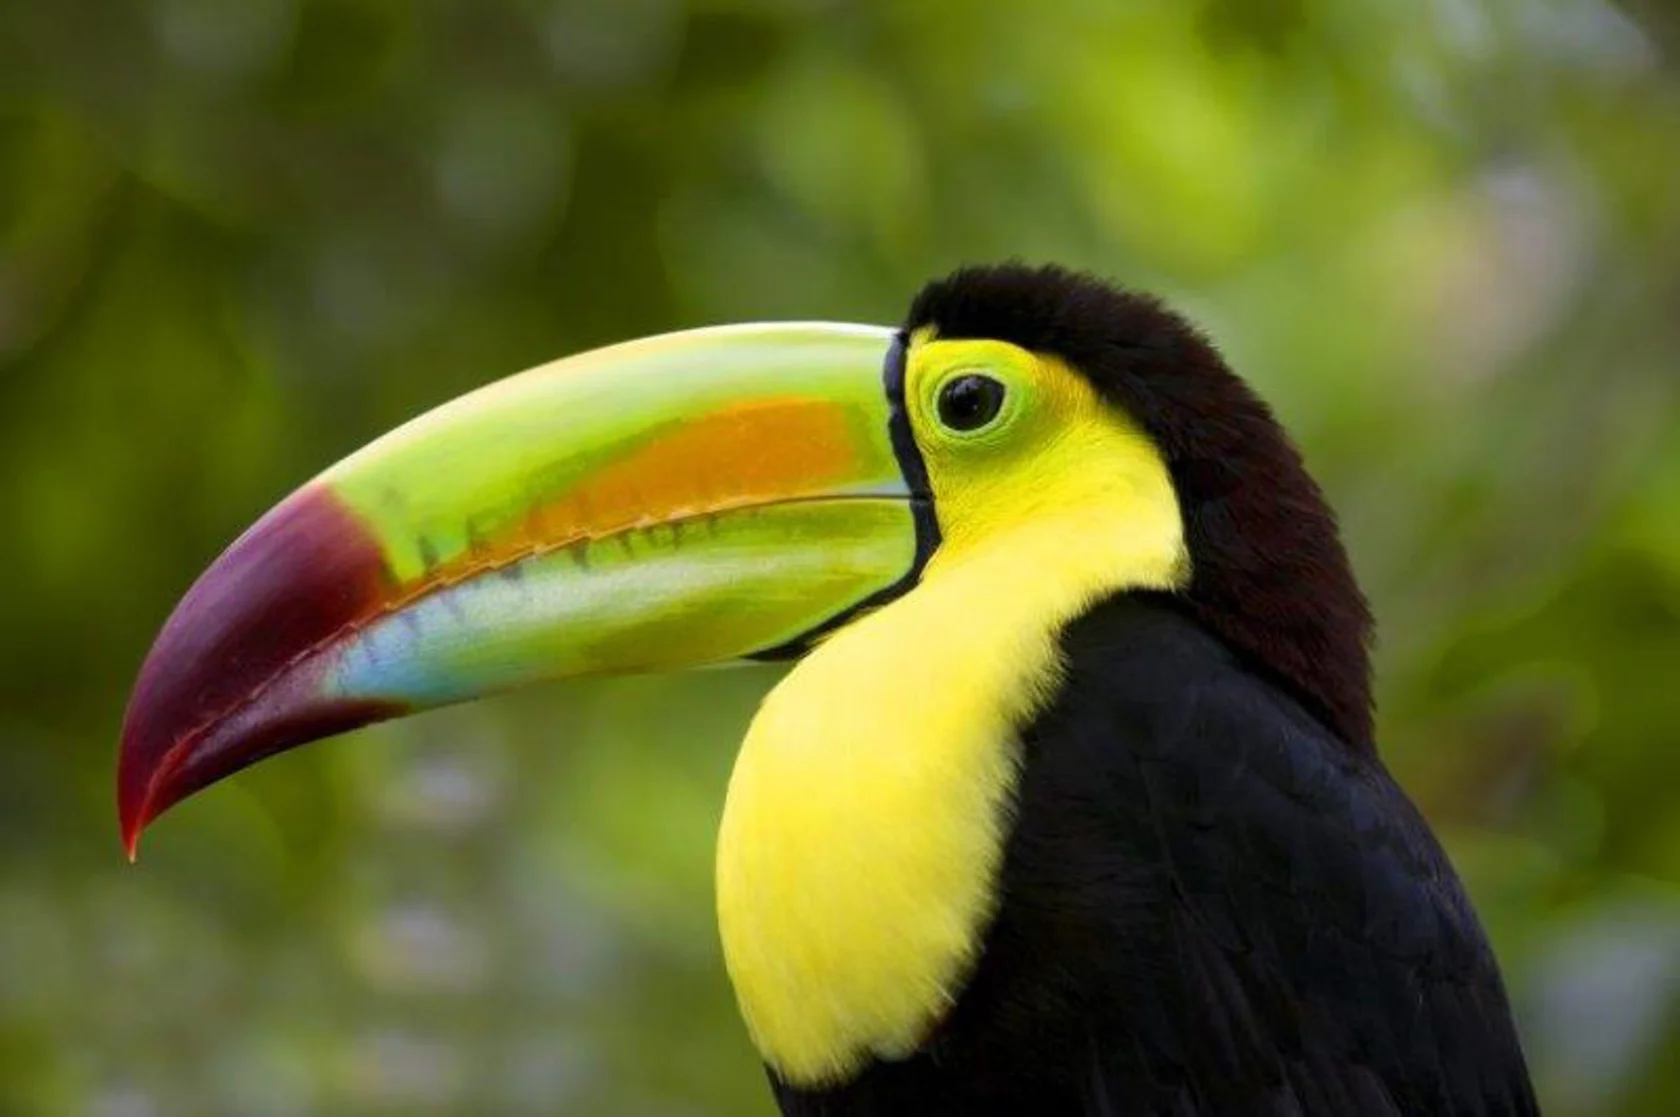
(1211, 907)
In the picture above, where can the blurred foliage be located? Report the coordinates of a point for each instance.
(237, 240)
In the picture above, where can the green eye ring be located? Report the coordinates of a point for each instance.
(970, 402)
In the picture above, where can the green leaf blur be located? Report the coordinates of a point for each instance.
(239, 239)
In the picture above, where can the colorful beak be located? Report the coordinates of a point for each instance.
(688, 499)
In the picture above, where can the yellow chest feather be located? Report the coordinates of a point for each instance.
(867, 815)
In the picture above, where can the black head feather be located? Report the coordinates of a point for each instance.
(1270, 575)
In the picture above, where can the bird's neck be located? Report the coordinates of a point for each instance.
(865, 826)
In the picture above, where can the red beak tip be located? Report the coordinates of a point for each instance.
(246, 629)
(133, 824)
(135, 795)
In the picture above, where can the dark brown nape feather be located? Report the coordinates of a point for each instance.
(1270, 576)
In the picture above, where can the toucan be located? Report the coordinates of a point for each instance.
(1068, 803)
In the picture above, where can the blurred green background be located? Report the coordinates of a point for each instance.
(238, 239)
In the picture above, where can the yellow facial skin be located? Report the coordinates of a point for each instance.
(869, 808)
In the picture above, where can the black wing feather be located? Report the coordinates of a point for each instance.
(1314, 950)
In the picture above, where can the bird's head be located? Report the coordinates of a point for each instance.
(741, 492)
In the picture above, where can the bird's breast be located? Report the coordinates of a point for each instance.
(864, 833)
(864, 830)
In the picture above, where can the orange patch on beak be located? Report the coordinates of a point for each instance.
(745, 455)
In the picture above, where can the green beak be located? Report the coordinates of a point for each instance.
(683, 500)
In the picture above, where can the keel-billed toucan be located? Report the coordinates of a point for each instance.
(1069, 802)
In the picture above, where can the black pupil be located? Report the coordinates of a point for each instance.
(970, 402)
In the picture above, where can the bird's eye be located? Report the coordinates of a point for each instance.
(970, 402)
